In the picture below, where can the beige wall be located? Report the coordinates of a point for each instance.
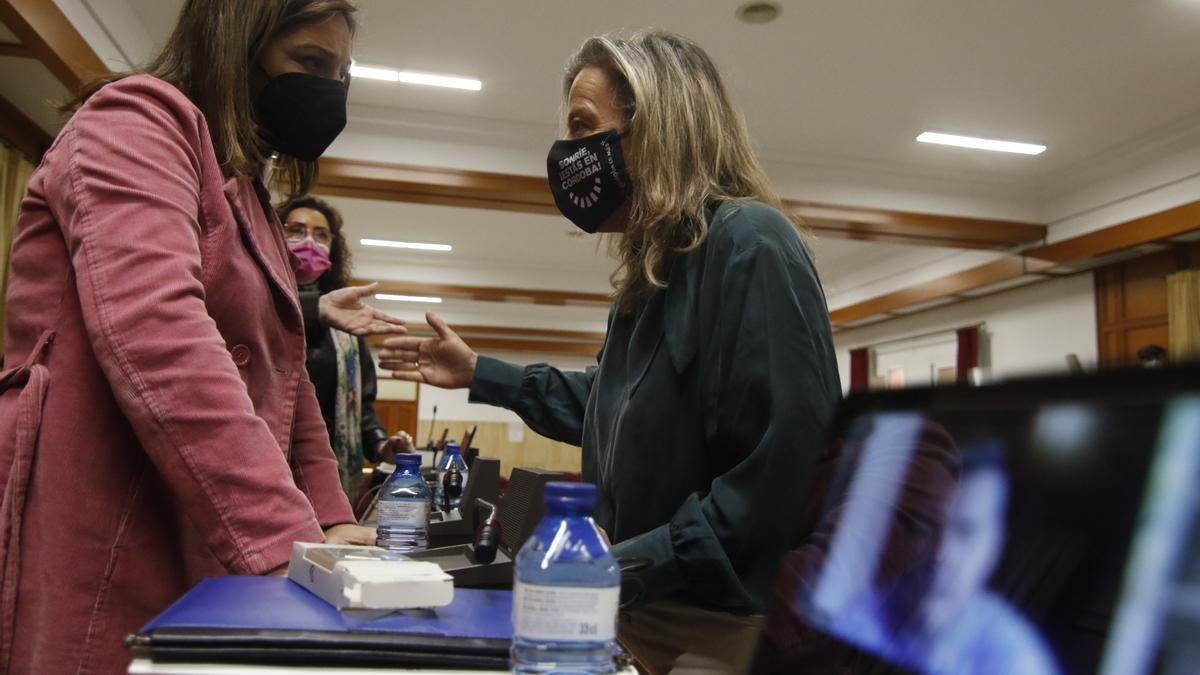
(395, 390)
(492, 439)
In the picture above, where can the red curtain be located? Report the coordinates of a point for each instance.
(859, 368)
(968, 352)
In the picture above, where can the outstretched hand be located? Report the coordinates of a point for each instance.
(345, 310)
(443, 360)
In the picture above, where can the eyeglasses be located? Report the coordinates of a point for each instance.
(298, 232)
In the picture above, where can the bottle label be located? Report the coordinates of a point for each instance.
(404, 513)
(555, 613)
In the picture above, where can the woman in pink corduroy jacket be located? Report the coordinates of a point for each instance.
(156, 422)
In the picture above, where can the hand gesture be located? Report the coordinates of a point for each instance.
(443, 361)
(345, 310)
(399, 444)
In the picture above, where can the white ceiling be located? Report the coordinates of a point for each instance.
(833, 84)
(830, 79)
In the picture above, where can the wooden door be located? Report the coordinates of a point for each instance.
(397, 416)
(1131, 303)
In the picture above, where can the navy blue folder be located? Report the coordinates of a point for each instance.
(239, 619)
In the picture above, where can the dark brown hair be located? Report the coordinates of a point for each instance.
(209, 57)
(338, 275)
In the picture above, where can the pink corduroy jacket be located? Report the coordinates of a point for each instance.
(157, 425)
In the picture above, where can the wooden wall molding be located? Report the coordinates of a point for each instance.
(490, 293)
(532, 340)
(531, 346)
(22, 133)
(531, 194)
(49, 36)
(505, 331)
(535, 346)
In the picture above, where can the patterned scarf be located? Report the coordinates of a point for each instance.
(347, 413)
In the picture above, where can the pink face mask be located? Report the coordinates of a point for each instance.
(314, 260)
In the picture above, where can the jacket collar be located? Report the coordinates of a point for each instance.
(263, 236)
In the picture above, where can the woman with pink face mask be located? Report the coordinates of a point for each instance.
(339, 364)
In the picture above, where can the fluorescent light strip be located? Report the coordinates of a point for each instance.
(981, 143)
(428, 79)
(410, 77)
(369, 73)
(406, 298)
(405, 244)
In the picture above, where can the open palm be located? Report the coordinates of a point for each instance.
(345, 310)
(443, 360)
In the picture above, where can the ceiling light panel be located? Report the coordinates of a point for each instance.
(974, 143)
(412, 77)
(416, 246)
(389, 297)
(371, 73)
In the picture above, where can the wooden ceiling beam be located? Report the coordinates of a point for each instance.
(531, 194)
(1001, 270)
(1137, 232)
(42, 27)
(491, 293)
(434, 185)
(1154, 228)
(905, 227)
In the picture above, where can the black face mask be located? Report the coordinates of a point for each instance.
(300, 114)
(588, 178)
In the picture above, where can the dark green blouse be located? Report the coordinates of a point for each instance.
(703, 420)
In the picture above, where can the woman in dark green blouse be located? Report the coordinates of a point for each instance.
(705, 414)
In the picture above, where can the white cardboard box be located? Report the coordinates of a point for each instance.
(368, 577)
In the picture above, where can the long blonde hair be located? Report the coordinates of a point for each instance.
(685, 147)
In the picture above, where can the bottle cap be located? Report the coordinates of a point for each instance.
(408, 459)
(453, 449)
(581, 495)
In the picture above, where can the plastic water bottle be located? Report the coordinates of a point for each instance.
(449, 492)
(566, 590)
(404, 508)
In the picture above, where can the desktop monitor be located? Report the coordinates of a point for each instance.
(1042, 527)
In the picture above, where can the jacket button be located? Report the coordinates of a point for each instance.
(240, 354)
